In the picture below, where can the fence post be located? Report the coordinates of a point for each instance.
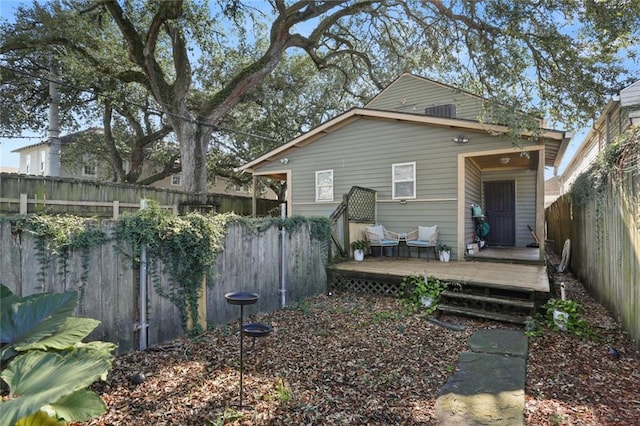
(23, 203)
(116, 209)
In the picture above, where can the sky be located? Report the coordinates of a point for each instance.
(7, 145)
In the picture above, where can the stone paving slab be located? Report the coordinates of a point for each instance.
(488, 385)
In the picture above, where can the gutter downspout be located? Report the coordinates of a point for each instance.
(143, 289)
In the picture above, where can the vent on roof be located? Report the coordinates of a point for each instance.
(445, 111)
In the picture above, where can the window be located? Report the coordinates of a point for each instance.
(324, 185)
(27, 164)
(176, 179)
(404, 180)
(43, 156)
(89, 167)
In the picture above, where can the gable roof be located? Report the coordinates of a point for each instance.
(555, 140)
(66, 139)
(426, 80)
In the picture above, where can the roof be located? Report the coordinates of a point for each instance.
(556, 141)
(66, 139)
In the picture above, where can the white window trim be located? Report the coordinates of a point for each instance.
(318, 200)
(43, 158)
(89, 161)
(176, 177)
(27, 164)
(394, 181)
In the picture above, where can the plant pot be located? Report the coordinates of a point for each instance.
(445, 256)
(358, 255)
(560, 319)
(427, 301)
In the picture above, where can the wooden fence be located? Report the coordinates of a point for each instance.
(22, 194)
(605, 246)
(250, 262)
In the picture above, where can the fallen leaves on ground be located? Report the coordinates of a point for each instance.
(351, 359)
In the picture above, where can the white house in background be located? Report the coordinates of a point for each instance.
(43, 158)
(617, 116)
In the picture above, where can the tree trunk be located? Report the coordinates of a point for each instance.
(193, 139)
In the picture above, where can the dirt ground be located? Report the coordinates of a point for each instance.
(344, 359)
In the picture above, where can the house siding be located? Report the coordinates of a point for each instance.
(473, 195)
(525, 187)
(410, 94)
(362, 154)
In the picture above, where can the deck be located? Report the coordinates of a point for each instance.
(508, 276)
(504, 285)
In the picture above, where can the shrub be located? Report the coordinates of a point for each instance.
(45, 365)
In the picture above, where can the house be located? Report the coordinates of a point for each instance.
(617, 116)
(43, 158)
(422, 147)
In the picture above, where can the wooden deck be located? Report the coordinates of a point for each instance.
(508, 276)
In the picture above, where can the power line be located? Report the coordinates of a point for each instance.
(160, 112)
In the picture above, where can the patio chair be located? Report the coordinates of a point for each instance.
(378, 236)
(424, 237)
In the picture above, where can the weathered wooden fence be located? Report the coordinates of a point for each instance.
(605, 246)
(250, 262)
(22, 194)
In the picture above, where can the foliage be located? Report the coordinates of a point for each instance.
(60, 235)
(416, 290)
(444, 247)
(187, 245)
(360, 244)
(45, 365)
(575, 323)
(621, 156)
(140, 54)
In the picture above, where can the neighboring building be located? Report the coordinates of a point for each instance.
(617, 116)
(43, 158)
(421, 146)
(9, 170)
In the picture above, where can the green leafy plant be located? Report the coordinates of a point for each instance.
(422, 292)
(44, 363)
(187, 246)
(444, 247)
(60, 235)
(360, 245)
(573, 320)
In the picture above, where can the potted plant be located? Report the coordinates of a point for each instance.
(422, 292)
(359, 247)
(444, 252)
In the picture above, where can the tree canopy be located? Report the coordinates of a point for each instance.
(202, 65)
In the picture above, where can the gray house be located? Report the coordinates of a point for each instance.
(423, 148)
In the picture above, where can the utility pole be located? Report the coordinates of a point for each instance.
(53, 133)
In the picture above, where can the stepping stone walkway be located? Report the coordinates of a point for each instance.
(488, 385)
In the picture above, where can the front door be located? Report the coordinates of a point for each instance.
(500, 211)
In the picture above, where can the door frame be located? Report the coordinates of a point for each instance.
(462, 201)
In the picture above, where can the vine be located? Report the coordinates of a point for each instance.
(186, 245)
(60, 235)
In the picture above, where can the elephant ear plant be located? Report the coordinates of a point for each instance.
(46, 369)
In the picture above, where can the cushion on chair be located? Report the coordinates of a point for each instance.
(378, 230)
(418, 243)
(426, 232)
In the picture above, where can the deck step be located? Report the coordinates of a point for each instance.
(517, 319)
(520, 303)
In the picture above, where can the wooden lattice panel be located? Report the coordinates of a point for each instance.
(364, 286)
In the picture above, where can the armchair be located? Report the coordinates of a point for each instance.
(424, 237)
(378, 236)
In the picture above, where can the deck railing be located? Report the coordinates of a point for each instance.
(358, 205)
